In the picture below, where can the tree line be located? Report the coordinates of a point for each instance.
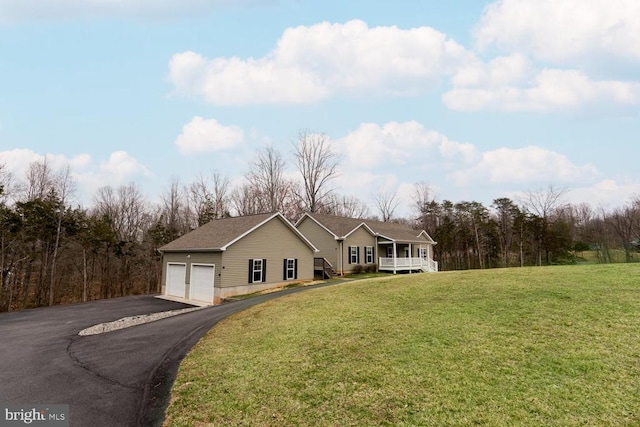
(53, 251)
(540, 229)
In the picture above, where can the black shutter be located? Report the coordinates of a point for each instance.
(284, 270)
(264, 270)
(358, 255)
(349, 255)
(295, 268)
(250, 271)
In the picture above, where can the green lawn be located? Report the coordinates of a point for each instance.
(530, 346)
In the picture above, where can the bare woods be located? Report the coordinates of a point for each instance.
(53, 251)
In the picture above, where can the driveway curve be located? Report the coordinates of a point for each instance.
(119, 378)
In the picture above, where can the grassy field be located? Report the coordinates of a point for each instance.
(617, 255)
(531, 346)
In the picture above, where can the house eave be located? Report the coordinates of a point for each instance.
(192, 250)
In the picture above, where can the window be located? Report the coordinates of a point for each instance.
(354, 254)
(368, 254)
(423, 253)
(257, 270)
(389, 251)
(290, 269)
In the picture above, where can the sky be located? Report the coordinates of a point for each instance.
(479, 99)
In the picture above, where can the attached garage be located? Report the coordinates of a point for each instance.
(176, 280)
(228, 257)
(202, 282)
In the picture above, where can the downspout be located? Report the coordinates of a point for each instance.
(376, 256)
(341, 257)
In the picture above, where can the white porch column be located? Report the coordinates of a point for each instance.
(395, 260)
(410, 257)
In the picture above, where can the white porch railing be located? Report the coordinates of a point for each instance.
(403, 264)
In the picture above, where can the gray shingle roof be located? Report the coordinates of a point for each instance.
(216, 234)
(341, 226)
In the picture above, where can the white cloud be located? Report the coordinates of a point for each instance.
(563, 31)
(549, 90)
(17, 11)
(17, 161)
(525, 166)
(579, 50)
(207, 135)
(311, 63)
(608, 193)
(397, 144)
(121, 168)
(502, 71)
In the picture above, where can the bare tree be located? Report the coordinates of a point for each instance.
(124, 208)
(174, 208)
(6, 181)
(245, 200)
(266, 176)
(426, 207)
(317, 165)
(624, 222)
(543, 203)
(64, 187)
(387, 205)
(209, 197)
(347, 206)
(40, 180)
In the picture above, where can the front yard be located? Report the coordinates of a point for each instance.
(530, 346)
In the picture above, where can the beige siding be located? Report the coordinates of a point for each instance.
(189, 258)
(360, 238)
(323, 240)
(273, 241)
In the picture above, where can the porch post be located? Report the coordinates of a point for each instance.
(395, 260)
(375, 255)
(410, 257)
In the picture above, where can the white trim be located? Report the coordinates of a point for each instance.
(167, 279)
(254, 271)
(358, 226)
(351, 254)
(430, 240)
(286, 222)
(199, 264)
(292, 269)
(317, 222)
(366, 255)
(385, 237)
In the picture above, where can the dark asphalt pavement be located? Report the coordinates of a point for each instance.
(119, 378)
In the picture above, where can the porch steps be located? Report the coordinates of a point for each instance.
(324, 267)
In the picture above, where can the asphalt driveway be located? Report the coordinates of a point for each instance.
(119, 378)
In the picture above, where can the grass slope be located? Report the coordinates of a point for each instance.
(530, 346)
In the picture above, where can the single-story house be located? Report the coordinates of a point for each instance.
(345, 243)
(236, 256)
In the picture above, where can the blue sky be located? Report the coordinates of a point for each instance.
(480, 99)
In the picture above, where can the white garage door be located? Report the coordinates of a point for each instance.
(176, 279)
(202, 283)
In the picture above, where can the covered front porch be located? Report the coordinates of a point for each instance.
(406, 257)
